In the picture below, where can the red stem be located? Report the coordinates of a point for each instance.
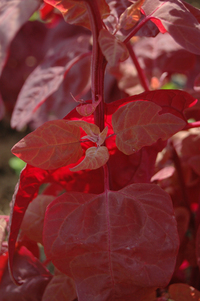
(98, 62)
(135, 30)
(141, 74)
(179, 170)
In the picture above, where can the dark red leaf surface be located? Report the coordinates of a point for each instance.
(60, 288)
(32, 224)
(177, 20)
(128, 239)
(19, 12)
(35, 278)
(48, 76)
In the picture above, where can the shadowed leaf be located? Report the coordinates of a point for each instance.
(114, 50)
(60, 288)
(32, 224)
(13, 14)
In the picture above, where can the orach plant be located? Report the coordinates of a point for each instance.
(111, 189)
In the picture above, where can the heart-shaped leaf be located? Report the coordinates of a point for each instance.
(52, 145)
(126, 239)
(95, 157)
(139, 124)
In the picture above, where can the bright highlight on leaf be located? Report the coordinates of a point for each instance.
(52, 145)
(131, 15)
(95, 157)
(114, 50)
(75, 12)
(139, 124)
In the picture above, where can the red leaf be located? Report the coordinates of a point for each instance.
(139, 124)
(126, 239)
(177, 20)
(52, 145)
(114, 50)
(19, 12)
(95, 157)
(60, 288)
(131, 15)
(183, 292)
(47, 78)
(87, 109)
(171, 101)
(35, 278)
(75, 12)
(32, 224)
(30, 180)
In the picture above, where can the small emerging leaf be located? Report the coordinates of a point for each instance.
(131, 15)
(114, 50)
(87, 109)
(95, 157)
(52, 145)
(139, 124)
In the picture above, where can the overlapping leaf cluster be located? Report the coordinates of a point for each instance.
(111, 185)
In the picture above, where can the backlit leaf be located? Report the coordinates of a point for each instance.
(131, 15)
(139, 124)
(52, 145)
(174, 17)
(75, 12)
(121, 241)
(114, 50)
(34, 275)
(30, 180)
(95, 157)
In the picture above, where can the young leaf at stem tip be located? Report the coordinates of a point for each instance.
(95, 157)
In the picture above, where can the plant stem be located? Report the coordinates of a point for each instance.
(141, 74)
(98, 62)
(179, 170)
(135, 30)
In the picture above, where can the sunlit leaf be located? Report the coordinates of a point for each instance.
(95, 157)
(139, 124)
(52, 145)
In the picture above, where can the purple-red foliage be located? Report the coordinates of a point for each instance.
(110, 191)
